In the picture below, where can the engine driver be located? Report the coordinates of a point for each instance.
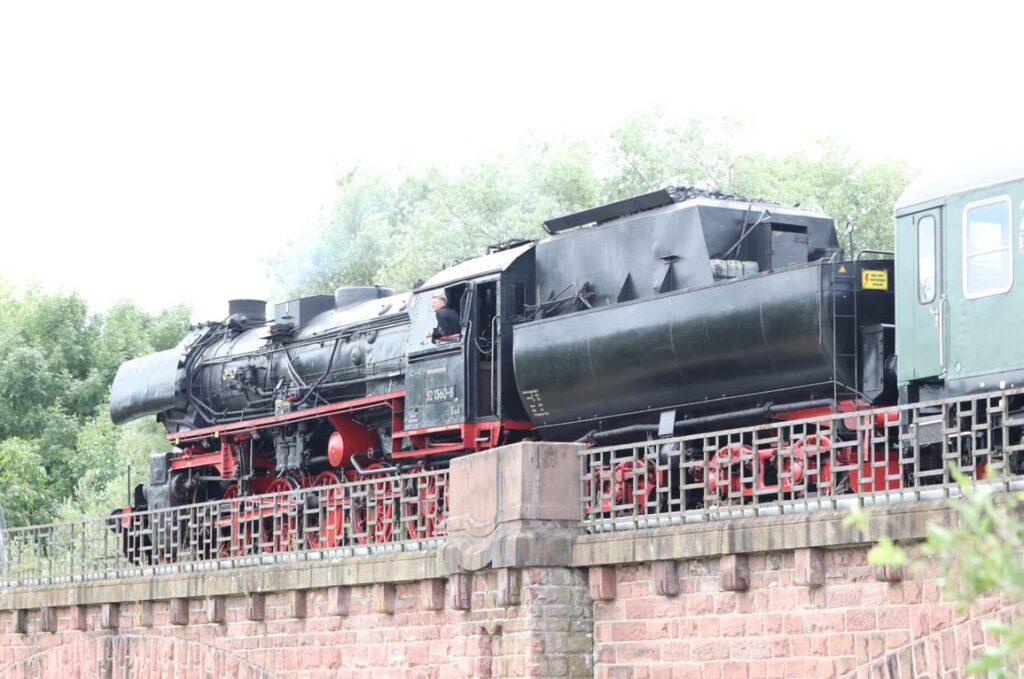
(447, 319)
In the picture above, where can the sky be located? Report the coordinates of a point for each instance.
(160, 152)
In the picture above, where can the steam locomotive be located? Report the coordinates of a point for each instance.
(676, 311)
(666, 312)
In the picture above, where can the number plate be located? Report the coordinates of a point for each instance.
(440, 394)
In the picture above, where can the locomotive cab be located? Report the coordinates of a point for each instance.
(460, 388)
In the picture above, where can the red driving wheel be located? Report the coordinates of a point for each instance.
(279, 532)
(426, 509)
(635, 483)
(374, 516)
(227, 541)
(330, 530)
(815, 452)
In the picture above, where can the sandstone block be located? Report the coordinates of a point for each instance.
(384, 598)
(665, 578)
(809, 565)
(734, 573)
(602, 583)
(256, 606)
(297, 603)
(179, 611)
(432, 595)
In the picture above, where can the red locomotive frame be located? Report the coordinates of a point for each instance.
(265, 502)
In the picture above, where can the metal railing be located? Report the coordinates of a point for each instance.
(387, 514)
(837, 461)
(4, 557)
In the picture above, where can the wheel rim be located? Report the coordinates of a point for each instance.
(239, 539)
(384, 521)
(277, 533)
(330, 527)
(430, 502)
(635, 483)
(281, 484)
(232, 540)
(379, 528)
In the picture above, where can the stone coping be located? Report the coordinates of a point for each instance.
(280, 577)
(819, 529)
(823, 529)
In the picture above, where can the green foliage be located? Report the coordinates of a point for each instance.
(650, 152)
(108, 453)
(888, 553)
(394, 229)
(23, 480)
(57, 361)
(980, 557)
(860, 198)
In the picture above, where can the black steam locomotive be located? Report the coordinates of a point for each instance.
(668, 312)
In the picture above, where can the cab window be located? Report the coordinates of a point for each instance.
(988, 262)
(926, 259)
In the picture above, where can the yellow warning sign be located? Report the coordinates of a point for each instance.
(872, 279)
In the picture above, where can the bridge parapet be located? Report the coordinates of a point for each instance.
(533, 575)
(387, 515)
(828, 462)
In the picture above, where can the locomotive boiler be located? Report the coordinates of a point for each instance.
(333, 387)
(671, 311)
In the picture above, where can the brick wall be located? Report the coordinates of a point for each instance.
(538, 625)
(517, 591)
(796, 614)
(799, 613)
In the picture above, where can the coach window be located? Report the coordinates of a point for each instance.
(988, 262)
(926, 259)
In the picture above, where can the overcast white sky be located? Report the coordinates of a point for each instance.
(158, 152)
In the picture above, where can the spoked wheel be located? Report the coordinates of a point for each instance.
(330, 529)
(814, 454)
(238, 539)
(229, 543)
(282, 484)
(622, 487)
(374, 522)
(598, 490)
(280, 532)
(635, 482)
(425, 510)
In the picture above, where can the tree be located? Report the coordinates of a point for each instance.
(57, 361)
(23, 480)
(393, 229)
(650, 151)
(860, 198)
(110, 456)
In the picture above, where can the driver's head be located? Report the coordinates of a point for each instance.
(438, 302)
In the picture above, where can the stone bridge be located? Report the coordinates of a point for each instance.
(518, 591)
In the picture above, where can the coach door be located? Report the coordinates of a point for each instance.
(928, 305)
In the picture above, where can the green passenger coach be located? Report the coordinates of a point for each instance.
(959, 303)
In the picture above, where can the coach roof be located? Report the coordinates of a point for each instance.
(936, 184)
